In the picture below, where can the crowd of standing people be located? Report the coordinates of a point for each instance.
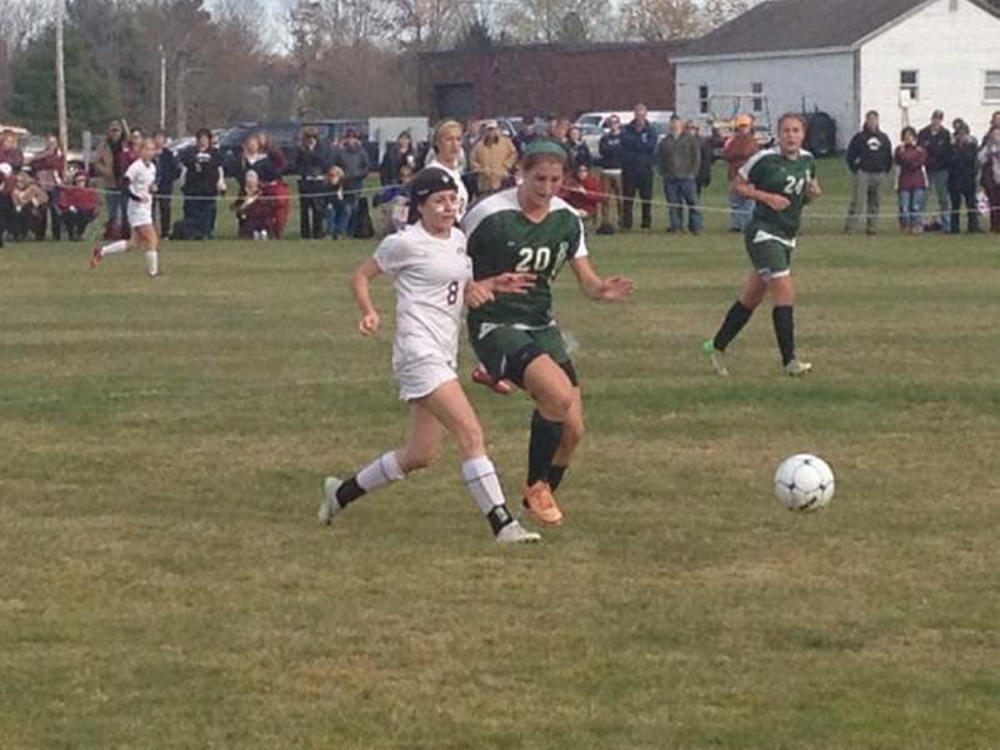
(949, 166)
(44, 196)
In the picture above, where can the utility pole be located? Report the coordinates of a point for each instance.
(163, 88)
(61, 75)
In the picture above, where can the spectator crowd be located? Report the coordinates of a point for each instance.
(44, 195)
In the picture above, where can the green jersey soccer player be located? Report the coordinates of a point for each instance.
(781, 181)
(529, 229)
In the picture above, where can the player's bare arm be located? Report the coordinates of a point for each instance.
(611, 289)
(361, 288)
(479, 293)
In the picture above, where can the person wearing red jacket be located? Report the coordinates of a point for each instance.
(582, 191)
(78, 206)
(911, 182)
(49, 168)
(11, 161)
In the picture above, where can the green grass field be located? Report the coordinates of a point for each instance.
(164, 583)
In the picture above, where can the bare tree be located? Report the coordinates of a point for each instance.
(654, 20)
(554, 20)
(19, 21)
(718, 12)
(429, 24)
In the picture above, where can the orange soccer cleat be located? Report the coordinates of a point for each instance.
(540, 503)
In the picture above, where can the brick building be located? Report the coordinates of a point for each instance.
(546, 79)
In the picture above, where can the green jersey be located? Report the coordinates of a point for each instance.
(771, 172)
(502, 240)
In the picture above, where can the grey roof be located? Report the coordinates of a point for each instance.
(782, 25)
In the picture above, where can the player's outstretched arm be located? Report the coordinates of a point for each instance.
(611, 289)
(478, 293)
(361, 287)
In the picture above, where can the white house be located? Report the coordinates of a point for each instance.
(904, 58)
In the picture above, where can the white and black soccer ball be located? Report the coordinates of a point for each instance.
(804, 482)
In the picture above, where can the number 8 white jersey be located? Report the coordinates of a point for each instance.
(429, 275)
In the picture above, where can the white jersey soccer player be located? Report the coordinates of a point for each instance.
(140, 178)
(432, 276)
(140, 185)
(429, 275)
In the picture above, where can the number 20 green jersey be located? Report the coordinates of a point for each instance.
(772, 172)
(502, 240)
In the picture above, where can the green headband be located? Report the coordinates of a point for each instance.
(547, 147)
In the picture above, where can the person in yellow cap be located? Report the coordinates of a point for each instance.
(737, 151)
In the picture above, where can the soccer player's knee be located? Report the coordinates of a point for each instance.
(559, 403)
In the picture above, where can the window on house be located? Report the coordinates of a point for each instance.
(909, 82)
(758, 101)
(703, 99)
(992, 90)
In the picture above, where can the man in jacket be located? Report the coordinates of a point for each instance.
(493, 159)
(611, 151)
(311, 161)
(936, 141)
(168, 169)
(869, 157)
(737, 151)
(679, 160)
(353, 159)
(109, 167)
(638, 157)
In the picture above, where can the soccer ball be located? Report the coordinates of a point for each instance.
(804, 482)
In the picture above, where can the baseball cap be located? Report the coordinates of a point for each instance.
(490, 124)
(743, 121)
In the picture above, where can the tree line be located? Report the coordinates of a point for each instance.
(231, 60)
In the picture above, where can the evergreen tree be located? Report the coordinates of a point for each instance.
(90, 100)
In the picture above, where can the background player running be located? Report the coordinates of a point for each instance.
(140, 183)
(432, 276)
(529, 229)
(781, 181)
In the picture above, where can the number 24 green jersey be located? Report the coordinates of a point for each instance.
(502, 240)
(773, 172)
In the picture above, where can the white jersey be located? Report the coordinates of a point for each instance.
(429, 275)
(141, 183)
(141, 179)
(463, 192)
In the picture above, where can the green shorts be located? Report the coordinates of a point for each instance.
(771, 259)
(506, 351)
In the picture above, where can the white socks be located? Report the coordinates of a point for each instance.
(115, 247)
(153, 262)
(381, 471)
(481, 478)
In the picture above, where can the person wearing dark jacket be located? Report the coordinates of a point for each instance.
(639, 141)
(704, 177)
(963, 168)
(11, 161)
(353, 159)
(579, 151)
(869, 157)
(204, 179)
(397, 155)
(611, 152)
(679, 156)
(936, 141)
(311, 162)
(167, 171)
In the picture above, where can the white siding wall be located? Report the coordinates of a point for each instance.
(950, 49)
(823, 80)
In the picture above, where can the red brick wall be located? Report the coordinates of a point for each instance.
(554, 80)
